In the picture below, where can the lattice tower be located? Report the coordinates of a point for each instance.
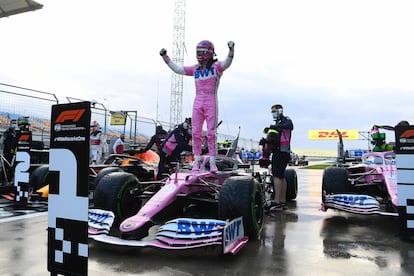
(178, 48)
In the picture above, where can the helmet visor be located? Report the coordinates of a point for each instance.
(201, 52)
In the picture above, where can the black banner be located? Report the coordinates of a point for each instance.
(404, 139)
(68, 189)
(21, 171)
(404, 148)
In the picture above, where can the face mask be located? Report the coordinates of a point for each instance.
(277, 113)
(190, 131)
(13, 126)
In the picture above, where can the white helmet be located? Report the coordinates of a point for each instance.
(95, 125)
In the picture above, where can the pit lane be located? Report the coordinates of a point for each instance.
(300, 241)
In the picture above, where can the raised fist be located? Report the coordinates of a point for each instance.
(231, 45)
(163, 52)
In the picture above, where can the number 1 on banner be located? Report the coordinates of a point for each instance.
(68, 189)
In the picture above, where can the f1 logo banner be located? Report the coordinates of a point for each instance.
(21, 172)
(68, 189)
(404, 141)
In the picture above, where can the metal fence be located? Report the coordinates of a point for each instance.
(18, 101)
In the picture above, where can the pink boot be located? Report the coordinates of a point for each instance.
(213, 167)
(196, 164)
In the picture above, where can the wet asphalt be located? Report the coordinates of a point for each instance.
(300, 241)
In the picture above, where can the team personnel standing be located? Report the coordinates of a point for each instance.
(10, 145)
(280, 149)
(118, 147)
(177, 142)
(158, 138)
(207, 73)
(98, 145)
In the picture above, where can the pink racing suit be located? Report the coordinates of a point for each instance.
(205, 101)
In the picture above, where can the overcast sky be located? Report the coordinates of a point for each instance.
(332, 64)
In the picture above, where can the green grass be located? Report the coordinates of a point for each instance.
(318, 166)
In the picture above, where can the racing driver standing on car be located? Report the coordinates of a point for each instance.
(207, 75)
(280, 157)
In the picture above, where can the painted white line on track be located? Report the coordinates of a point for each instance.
(14, 218)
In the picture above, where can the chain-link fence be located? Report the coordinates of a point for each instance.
(18, 102)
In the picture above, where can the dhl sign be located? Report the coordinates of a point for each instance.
(352, 134)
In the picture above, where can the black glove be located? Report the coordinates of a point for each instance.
(163, 52)
(262, 141)
(231, 45)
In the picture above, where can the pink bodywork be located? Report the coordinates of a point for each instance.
(183, 183)
(386, 171)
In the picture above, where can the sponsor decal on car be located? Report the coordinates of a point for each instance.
(180, 233)
(199, 227)
(233, 234)
(361, 204)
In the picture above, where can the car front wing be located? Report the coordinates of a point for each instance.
(179, 233)
(354, 203)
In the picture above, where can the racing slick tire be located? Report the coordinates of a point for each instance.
(38, 177)
(114, 194)
(104, 172)
(335, 181)
(242, 196)
(292, 184)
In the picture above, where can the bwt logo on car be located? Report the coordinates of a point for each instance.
(357, 199)
(233, 231)
(198, 227)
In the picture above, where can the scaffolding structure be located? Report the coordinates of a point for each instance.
(178, 48)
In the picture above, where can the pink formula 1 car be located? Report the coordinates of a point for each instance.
(366, 188)
(186, 211)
